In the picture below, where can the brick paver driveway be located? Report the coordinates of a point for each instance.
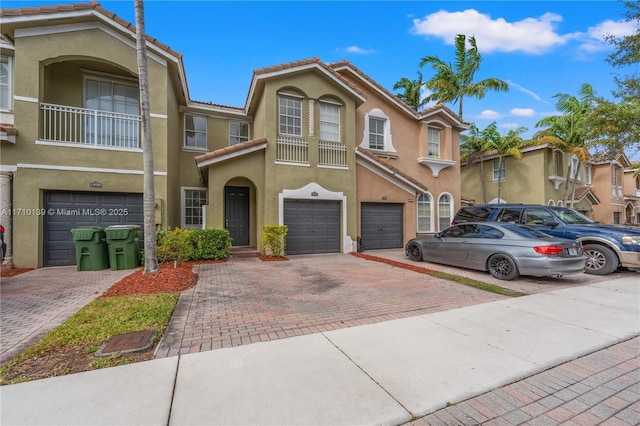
(246, 300)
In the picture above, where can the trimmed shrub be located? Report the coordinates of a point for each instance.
(179, 245)
(274, 239)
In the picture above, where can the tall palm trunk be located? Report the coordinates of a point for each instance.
(566, 184)
(149, 202)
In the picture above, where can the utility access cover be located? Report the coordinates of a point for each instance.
(127, 343)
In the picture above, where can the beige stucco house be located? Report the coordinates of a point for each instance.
(318, 147)
(606, 188)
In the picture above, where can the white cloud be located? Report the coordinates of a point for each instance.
(488, 114)
(509, 126)
(357, 50)
(530, 35)
(593, 40)
(527, 91)
(523, 112)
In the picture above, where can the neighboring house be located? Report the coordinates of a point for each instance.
(617, 189)
(537, 178)
(318, 147)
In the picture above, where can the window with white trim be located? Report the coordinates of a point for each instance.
(377, 131)
(557, 163)
(329, 122)
(587, 174)
(433, 136)
(290, 115)
(195, 132)
(499, 170)
(6, 82)
(574, 167)
(192, 202)
(423, 204)
(445, 211)
(238, 132)
(614, 177)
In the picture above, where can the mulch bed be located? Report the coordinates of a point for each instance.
(170, 278)
(14, 271)
(392, 263)
(265, 258)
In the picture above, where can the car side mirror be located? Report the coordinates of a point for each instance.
(438, 235)
(550, 222)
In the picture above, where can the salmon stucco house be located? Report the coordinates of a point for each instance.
(319, 147)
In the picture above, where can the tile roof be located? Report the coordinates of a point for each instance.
(93, 5)
(233, 149)
(582, 192)
(394, 171)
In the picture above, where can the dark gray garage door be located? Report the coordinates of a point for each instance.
(314, 226)
(67, 210)
(380, 226)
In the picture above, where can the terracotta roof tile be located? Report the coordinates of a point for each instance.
(237, 148)
(395, 170)
(582, 192)
(43, 10)
(8, 129)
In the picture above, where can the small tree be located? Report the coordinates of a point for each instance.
(274, 240)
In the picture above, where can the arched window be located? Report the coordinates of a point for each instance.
(445, 211)
(424, 213)
(551, 203)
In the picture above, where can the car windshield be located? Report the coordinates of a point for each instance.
(527, 231)
(571, 217)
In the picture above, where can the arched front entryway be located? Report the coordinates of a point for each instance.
(240, 211)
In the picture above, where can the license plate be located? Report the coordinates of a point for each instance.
(573, 251)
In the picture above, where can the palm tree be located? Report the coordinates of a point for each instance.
(412, 91)
(569, 132)
(453, 84)
(149, 202)
(508, 145)
(472, 150)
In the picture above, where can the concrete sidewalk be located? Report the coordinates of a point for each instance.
(384, 373)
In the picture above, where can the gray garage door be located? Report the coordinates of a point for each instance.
(67, 210)
(314, 226)
(380, 226)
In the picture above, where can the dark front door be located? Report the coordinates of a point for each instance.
(236, 211)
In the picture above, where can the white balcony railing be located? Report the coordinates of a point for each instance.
(292, 150)
(72, 125)
(332, 154)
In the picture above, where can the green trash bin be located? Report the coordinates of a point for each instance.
(91, 249)
(123, 243)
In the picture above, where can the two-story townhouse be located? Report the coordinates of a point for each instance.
(632, 194)
(613, 181)
(72, 105)
(318, 147)
(539, 177)
(407, 165)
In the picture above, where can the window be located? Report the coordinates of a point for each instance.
(329, 122)
(238, 132)
(376, 133)
(538, 217)
(6, 78)
(499, 170)
(192, 201)
(614, 177)
(195, 132)
(113, 97)
(587, 175)
(424, 212)
(557, 163)
(434, 142)
(574, 168)
(509, 215)
(616, 218)
(290, 115)
(445, 211)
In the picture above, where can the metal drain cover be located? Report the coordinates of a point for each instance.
(127, 343)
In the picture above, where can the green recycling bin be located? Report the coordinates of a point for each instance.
(123, 243)
(91, 249)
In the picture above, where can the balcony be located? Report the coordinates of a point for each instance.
(291, 150)
(332, 154)
(72, 126)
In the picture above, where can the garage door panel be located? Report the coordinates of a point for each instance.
(314, 226)
(381, 226)
(83, 209)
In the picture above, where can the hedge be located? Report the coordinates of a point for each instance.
(180, 244)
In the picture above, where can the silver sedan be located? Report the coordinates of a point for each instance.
(506, 250)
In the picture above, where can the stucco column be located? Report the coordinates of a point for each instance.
(6, 218)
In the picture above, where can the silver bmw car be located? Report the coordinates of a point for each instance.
(506, 250)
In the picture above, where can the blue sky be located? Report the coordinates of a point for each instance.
(540, 48)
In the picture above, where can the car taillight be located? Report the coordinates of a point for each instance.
(549, 249)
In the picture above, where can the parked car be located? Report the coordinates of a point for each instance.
(505, 250)
(607, 247)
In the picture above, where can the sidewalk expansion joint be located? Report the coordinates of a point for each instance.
(173, 391)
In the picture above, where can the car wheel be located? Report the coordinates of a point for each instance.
(414, 252)
(601, 260)
(502, 267)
